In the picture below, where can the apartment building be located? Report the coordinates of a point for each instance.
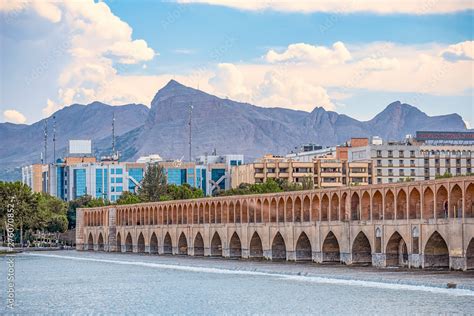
(418, 158)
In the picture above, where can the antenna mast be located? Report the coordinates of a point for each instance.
(113, 134)
(54, 139)
(45, 131)
(190, 132)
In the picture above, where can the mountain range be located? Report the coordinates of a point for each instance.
(228, 126)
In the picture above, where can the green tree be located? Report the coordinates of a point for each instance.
(153, 184)
(128, 198)
(80, 202)
(183, 192)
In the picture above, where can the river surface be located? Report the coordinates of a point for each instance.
(65, 282)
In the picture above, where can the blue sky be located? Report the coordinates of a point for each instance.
(355, 62)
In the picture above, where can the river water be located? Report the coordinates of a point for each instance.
(65, 282)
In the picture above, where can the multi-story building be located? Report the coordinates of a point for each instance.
(418, 158)
(324, 172)
(33, 176)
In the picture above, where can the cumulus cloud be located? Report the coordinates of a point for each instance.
(302, 52)
(99, 44)
(416, 7)
(460, 51)
(377, 64)
(230, 81)
(13, 116)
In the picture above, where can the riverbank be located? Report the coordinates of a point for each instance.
(442, 279)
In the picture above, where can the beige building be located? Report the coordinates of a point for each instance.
(326, 172)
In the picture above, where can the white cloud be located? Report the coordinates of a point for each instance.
(14, 116)
(98, 43)
(302, 52)
(377, 64)
(229, 80)
(460, 51)
(417, 7)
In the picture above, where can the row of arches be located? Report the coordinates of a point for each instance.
(436, 253)
(416, 202)
(96, 218)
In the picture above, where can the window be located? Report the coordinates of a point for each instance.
(119, 180)
(119, 171)
(401, 172)
(112, 180)
(119, 189)
(390, 180)
(112, 171)
(390, 153)
(412, 163)
(390, 162)
(400, 162)
(379, 153)
(412, 153)
(401, 153)
(379, 180)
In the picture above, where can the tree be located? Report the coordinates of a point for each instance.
(80, 202)
(128, 198)
(183, 192)
(153, 184)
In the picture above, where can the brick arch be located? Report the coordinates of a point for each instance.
(396, 251)
(355, 206)
(241, 212)
(303, 249)
(334, 214)
(256, 246)
(436, 251)
(469, 201)
(235, 246)
(289, 210)
(230, 212)
(414, 207)
(401, 209)
(207, 213)
(273, 211)
(377, 206)
(470, 255)
(216, 245)
(455, 202)
(442, 202)
(325, 207)
(266, 211)
(428, 204)
(167, 244)
(198, 245)
(128, 243)
(212, 213)
(182, 244)
(153, 243)
(118, 239)
(90, 241)
(306, 209)
(278, 247)
(297, 210)
(141, 243)
(365, 206)
(330, 249)
(315, 208)
(280, 210)
(343, 212)
(200, 210)
(219, 212)
(258, 211)
(361, 249)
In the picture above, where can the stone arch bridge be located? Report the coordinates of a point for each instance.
(413, 224)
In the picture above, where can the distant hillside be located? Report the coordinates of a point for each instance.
(226, 125)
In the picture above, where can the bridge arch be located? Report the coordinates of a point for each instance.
(469, 201)
(396, 252)
(470, 255)
(389, 205)
(361, 250)
(153, 244)
(436, 252)
(167, 245)
(119, 243)
(303, 248)
(297, 210)
(428, 204)
(289, 210)
(216, 245)
(235, 246)
(256, 248)
(325, 207)
(401, 210)
(442, 202)
(306, 209)
(128, 243)
(278, 247)
(355, 206)
(266, 211)
(343, 212)
(455, 205)
(90, 242)
(141, 244)
(273, 211)
(415, 204)
(182, 244)
(377, 206)
(334, 216)
(315, 208)
(365, 207)
(198, 245)
(281, 210)
(331, 250)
